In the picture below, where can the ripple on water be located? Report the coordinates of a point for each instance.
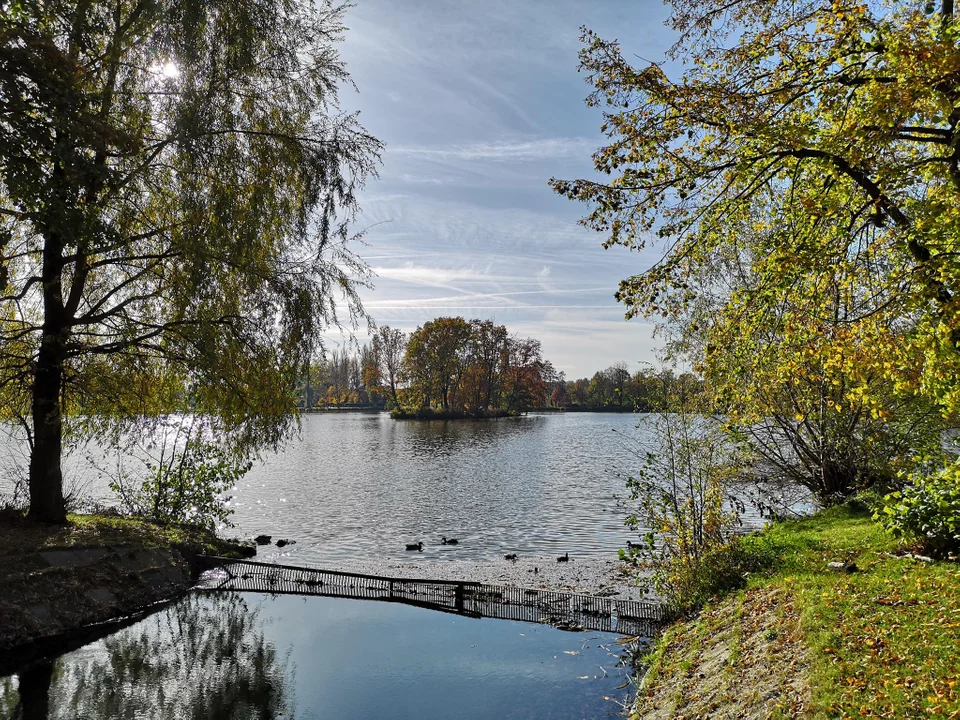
(362, 486)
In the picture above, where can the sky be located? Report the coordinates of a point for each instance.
(479, 103)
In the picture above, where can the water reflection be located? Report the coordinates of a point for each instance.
(216, 656)
(442, 438)
(201, 658)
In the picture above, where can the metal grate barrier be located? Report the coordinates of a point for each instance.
(569, 611)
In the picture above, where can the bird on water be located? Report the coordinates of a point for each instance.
(564, 558)
(450, 541)
(416, 546)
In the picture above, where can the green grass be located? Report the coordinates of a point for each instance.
(880, 642)
(737, 631)
(883, 642)
(21, 536)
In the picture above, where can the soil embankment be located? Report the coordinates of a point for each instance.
(744, 658)
(56, 580)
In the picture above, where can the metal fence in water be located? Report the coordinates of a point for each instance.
(560, 609)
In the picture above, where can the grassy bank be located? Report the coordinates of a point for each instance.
(802, 641)
(21, 536)
(58, 579)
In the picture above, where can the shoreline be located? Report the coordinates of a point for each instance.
(586, 575)
(59, 583)
(61, 586)
(804, 639)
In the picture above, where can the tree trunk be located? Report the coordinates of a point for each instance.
(46, 478)
(308, 400)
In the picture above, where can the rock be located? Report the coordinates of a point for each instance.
(844, 567)
(919, 558)
(74, 558)
(263, 539)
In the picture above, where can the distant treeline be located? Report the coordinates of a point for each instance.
(617, 389)
(452, 367)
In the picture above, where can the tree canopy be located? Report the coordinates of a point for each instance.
(473, 367)
(177, 183)
(801, 175)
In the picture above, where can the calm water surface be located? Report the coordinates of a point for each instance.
(239, 656)
(363, 485)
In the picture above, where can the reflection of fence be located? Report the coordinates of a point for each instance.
(563, 610)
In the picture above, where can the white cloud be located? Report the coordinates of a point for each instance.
(505, 151)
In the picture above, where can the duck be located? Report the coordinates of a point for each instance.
(510, 556)
(564, 558)
(451, 541)
(263, 539)
(284, 543)
(416, 546)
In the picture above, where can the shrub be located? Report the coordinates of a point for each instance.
(689, 522)
(687, 583)
(184, 477)
(926, 511)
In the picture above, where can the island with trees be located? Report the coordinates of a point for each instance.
(454, 368)
(447, 368)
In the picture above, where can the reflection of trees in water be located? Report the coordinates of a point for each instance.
(8, 697)
(205, 657)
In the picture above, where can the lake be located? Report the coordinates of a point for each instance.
(355, 488)
(361, 486)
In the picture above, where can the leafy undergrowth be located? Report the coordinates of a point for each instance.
(880, 642)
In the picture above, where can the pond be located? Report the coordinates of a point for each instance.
(245, 655)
